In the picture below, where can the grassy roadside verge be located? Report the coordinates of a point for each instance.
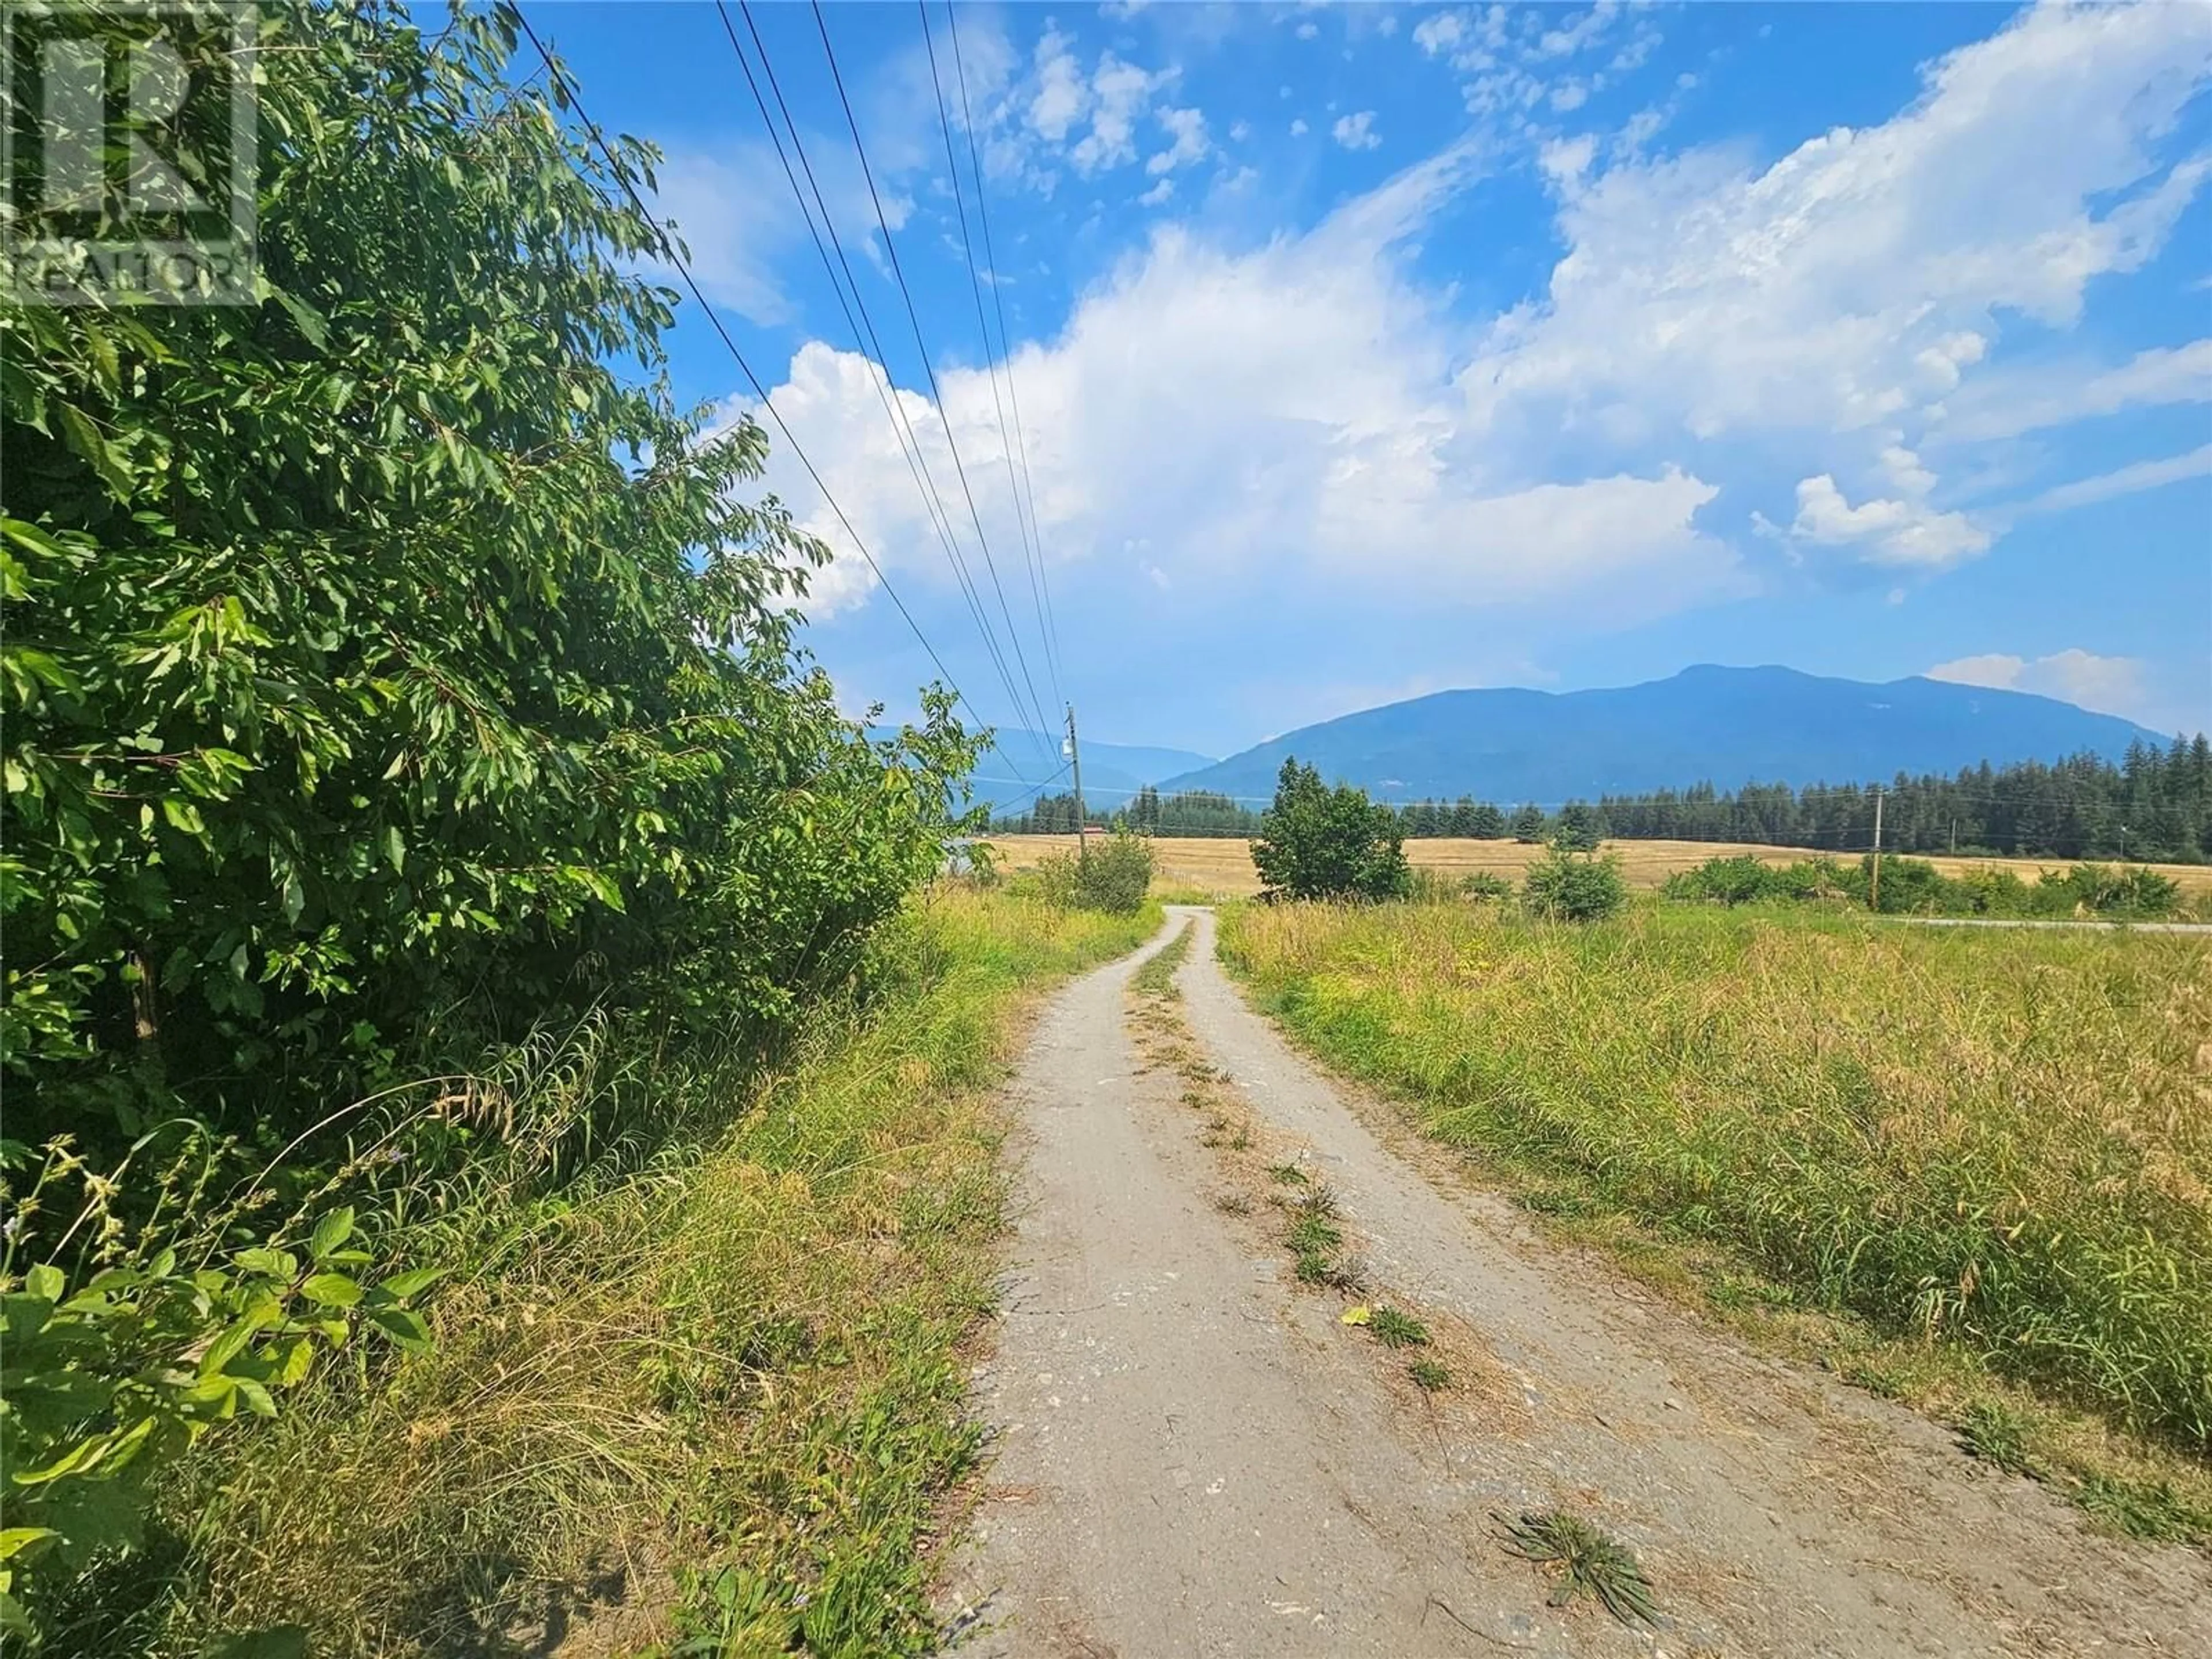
(1970, 1171)
(708, 1406)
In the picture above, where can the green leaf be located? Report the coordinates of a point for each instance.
(331, 1289)
(84, 437)
(331, 1231)
(14, 1540)
(413, 1282)
(402, 1326)
(45, 1281)
(395, 849)
(30, 537)
(308, 320)
(269, 1264)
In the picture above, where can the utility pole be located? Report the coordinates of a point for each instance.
(1874, 887)
(1075, 758)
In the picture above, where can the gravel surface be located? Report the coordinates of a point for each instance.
(1194, 1455)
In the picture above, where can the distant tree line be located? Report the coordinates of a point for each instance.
(2155, 804)
(1191, 812)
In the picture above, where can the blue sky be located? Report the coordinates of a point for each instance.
(1364, 351)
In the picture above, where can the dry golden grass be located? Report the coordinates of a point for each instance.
(1995, 1141)
(1224, 867)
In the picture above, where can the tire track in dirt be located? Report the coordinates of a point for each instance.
(1193, 1456)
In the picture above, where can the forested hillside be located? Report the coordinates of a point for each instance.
(1773, 724)
(2155, 804)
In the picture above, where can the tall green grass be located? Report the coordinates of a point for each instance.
(2003, 1140)
(701, 1393)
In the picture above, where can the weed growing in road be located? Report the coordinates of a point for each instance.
(1393, 1328)
(1232, 1203)
(1429, 1376)
(1288, 1175)
(1313, 1239)
(1155, 977)
(1586, 1561)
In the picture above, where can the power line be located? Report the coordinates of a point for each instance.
(928, 368)
(1006, 344)
(1003, 808)
(871, 346)
(567, 94)
(983, 328)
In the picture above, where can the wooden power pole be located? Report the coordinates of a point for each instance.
(1874, 885)
(1075, 759)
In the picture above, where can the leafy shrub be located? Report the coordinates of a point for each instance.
(1740, 880)
(1915, 887)
(1483, 884)
(1316, 842)
(390, 667)
(1113, 874)
(116, 1369)
(1574, 887)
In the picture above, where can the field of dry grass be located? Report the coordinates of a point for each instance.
(1224, 867)
(1994, 1144)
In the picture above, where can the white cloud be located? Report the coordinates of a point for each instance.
(1158, 194)
(1570, 95)
(1576, 33)
(1563, 161)
(2125, 481)
(1187, 133)
(1439, 32)
(1240, 131)
(1063, 94)
(2111, 685)
(1307, 31)
(1825, 306)
(1167, 411)
(1298, 127)
(1119, 92)
(1885, 532)
(2003, 405)
(735, 227)
(1357, 132)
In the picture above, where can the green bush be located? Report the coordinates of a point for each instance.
(1574, 887)
(1112, 874)
(1316, 842)
(392, 669)
(1915, 887)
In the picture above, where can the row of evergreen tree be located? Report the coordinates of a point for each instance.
(2154, 804)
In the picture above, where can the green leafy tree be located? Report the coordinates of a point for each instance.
(1316, 842)
(1528, 824)
(382, 646)
(390, 666)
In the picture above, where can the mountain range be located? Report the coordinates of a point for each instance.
(1729, 725)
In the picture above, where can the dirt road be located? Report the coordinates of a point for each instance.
(1194, 1455)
